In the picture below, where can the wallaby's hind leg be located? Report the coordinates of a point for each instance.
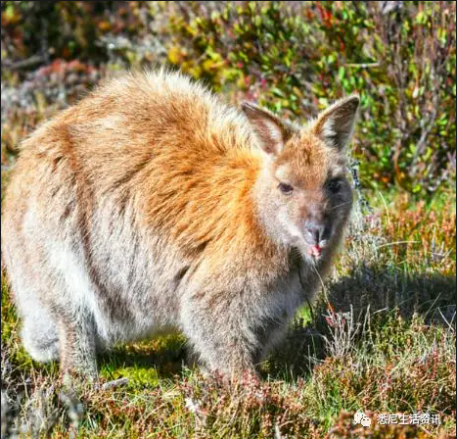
(78, 347)
(40, 335)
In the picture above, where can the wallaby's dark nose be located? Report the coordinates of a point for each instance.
(314, 232)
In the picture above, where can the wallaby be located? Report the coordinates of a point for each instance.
(151, 204)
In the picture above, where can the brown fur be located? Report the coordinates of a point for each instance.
(152, 204)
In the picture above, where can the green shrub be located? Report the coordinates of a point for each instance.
(61, 29)
(294, 57)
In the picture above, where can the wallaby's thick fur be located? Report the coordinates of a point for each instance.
(152, 204)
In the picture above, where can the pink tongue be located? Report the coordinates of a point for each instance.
(316, 250)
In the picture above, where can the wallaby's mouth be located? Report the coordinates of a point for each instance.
(315, 251)
(312, 251)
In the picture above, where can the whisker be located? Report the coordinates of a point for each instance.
(340, 205)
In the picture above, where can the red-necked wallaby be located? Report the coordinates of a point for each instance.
(152, 204)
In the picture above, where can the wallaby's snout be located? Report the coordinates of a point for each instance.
(315, 224)
(316, 232)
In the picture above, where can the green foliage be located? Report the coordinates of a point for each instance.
(294, 58)
(65, 29)
(297, 58)
(8, 313)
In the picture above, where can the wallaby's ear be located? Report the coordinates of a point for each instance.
(272, 132)
(336, 124)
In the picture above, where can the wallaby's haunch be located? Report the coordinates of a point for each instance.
(152, 204)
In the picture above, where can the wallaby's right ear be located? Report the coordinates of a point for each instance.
(335, 125)
(272, 132)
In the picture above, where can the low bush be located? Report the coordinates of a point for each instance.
(293, 57)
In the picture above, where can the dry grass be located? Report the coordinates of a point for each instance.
(381, 339)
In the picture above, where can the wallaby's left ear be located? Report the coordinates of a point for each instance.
(272, 132)
(335, 125)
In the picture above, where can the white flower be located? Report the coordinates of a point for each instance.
(192, 406)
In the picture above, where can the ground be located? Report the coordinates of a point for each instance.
(379, 344)
(380, 338)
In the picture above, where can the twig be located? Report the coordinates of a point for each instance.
(364, 65)
(397, 243)
(115, 383)
(24, 64)
(449, 324)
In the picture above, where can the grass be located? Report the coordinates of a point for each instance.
(381, 339)
(381, 335)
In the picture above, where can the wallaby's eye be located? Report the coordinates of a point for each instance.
(285, 188)
(334, 185)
